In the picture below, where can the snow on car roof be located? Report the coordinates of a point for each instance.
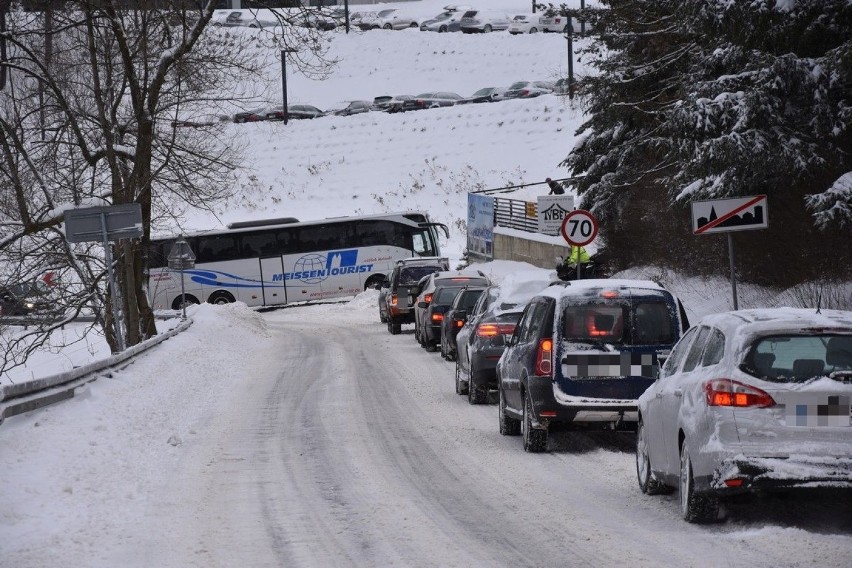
(581, 287)
(769, 320)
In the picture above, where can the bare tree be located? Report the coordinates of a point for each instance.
(91, 94)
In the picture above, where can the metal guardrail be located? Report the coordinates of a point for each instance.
(24, 397)
(515, 214)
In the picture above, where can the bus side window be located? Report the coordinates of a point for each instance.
(216, 248)
(259, 244)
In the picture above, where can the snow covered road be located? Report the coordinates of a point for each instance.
(332, 443)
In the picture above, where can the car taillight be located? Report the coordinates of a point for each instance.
(524, 92)
(726, 392)
(394, 300)
(437, 317)
(458, 323)
(494, 329)
(544, 358)
(427, 298)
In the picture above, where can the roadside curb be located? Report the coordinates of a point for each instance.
(24, 397)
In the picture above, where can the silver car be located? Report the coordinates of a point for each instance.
(752, 400)
(480, 21)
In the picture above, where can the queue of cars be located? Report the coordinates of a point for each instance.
(750, 401)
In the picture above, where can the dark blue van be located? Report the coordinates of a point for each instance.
(582, 353)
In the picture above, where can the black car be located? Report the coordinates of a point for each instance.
(433, 317)
(396, 299)
(24, 298)
(294, 112)
(582, 354)
(455, 317)
(481, 341)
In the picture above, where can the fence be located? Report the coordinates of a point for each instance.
(515, 214)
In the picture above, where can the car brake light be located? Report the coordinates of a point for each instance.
(543, 358)
(494, 329)
(725, 392)
(437, 317)
(735, 482)
(427, 298)
(394, 300)
(609, 294)
(458, 323)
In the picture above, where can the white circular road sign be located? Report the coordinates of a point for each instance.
(579, 228)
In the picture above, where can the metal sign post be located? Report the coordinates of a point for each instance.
(106, 224)
(181, 258)
(727, 216)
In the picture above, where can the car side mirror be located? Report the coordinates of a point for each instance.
(422, 304)
(461, 315)
(385, 283)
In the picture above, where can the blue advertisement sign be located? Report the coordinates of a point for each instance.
(480, 225)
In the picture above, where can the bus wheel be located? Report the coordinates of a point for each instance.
(219, 297)
(374, 282)
(190, 299)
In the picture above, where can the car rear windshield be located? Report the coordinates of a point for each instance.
(411, 275)
(468, 299)
(631, 323)
(799, 358)
(445, 296)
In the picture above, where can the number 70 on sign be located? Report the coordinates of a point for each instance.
(579, 228)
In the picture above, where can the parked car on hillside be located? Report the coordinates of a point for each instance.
(353, 107)
(397, 103)
(525, 24)
(237, 18)
(382, 102)
(431, 100)
(253, 115)
(485, 95)
(446, 21)
(399, 292)
(582, 354)
(428, 285)
(389, 19)
(331, 19)
(750, 401)
(559, 24)
(294, 112)
(527, 90)
(481, 21)
(487, 328)
(455, 317)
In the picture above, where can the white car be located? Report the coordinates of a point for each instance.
(390, 19)
(526, 24)
(750, 401)
(482, 21)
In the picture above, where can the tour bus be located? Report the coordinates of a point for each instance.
(281, 261)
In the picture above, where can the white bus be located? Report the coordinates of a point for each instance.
(281, 261)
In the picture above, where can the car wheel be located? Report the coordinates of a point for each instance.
(393, 327)
(533, 30)
(221, 298)
(475, 393)
(508, 426)
(694, 508)
(442, 29)
(383, 317)
(461, 386)
(535, 439)
(388, 27)
(189, 300)
(487, 29)
(647, 483)
(413, 25)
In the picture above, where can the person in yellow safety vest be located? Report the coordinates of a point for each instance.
(578, 254)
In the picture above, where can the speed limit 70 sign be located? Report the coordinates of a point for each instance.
(579, 228)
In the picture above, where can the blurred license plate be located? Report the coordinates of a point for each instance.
(814, 411)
